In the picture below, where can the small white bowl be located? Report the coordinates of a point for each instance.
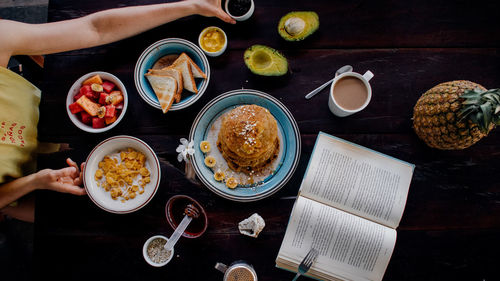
(75, 89)
(219, 52)
(101, 197)
(243, 17)
(145, 252)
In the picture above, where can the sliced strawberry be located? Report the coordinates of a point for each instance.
(75, 108)
(86, 118)
(108, 86)
(98, 123)
(102, 98)
(110, 111)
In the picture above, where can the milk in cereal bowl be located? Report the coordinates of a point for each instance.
(121, 174)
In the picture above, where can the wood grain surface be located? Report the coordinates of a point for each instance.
(451, 224)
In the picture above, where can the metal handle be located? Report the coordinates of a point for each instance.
(296, 277)
(221, 267)
(317, 90)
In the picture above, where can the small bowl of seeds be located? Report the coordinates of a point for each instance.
(155, 253)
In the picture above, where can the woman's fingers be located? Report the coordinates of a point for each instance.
(64, 172)
(68, 188)
(72, 163)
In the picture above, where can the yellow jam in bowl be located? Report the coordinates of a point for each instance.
(212, 39)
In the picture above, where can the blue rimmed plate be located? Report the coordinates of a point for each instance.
(160, 49)
(290, 145)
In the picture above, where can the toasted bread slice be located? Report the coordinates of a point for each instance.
(165, 88)
(187, 75)
(174, 73)
(197, 72)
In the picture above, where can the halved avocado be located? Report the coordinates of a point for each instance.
(266, 61)
(297, 26)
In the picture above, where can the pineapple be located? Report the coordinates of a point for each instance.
(455, 115)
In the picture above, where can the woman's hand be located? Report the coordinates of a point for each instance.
(211, 8)
(66, 180)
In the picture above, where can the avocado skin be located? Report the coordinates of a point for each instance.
(279, 68)
(312, 24)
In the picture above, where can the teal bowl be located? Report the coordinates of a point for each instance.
(286, 124)
(168, 47)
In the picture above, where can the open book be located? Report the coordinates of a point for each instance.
(350, 202)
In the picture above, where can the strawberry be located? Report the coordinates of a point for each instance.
(75, 108)
(98, 123)
(108, 86)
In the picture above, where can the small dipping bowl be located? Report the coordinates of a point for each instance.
(244, 17)
(174, 210)
(145, 252)
(201, 40)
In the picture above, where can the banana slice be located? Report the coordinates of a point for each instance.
(219, 175)
(205, 146)
(101, 112)
(96, 87)
(210, 161)
(231, 182)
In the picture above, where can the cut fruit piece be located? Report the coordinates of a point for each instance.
(110, 111)
(75, 108)
(86, 118)
(210, 161)
(231, 182)
(108, 86)
(96, 79)
(114, 98)
(110, 120)
(89, 106)
(102, 98)
(205, 146)
(101, 112)
(97, 87)
(165, 88)
(296, 26)
(219, 175)
(266, 61)
(98, 123)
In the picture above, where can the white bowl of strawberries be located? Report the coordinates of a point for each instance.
(97, 102)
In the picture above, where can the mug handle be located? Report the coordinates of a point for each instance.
(221, 267)
(368, 75)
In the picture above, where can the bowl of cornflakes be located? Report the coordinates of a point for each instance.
(121, 174)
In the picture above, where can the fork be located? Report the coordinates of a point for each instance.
(307, 262)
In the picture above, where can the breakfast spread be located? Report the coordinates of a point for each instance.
(169, 82)
(98, 103)
(118, 173)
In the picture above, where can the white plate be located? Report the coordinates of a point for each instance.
(101, 197)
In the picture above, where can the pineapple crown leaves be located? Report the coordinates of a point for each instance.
(481, 107)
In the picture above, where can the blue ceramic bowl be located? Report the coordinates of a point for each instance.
(168, 47)
(286, 124)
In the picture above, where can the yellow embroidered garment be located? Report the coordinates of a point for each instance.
(19, 100)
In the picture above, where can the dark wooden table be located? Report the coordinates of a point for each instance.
(451, 226)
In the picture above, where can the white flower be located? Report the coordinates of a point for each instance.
(184, 149)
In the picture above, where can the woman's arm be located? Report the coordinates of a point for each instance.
(65, 180)
(96, 29)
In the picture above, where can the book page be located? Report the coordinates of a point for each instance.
(357, 180)
(350, 247)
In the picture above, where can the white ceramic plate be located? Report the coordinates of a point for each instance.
(101, 197)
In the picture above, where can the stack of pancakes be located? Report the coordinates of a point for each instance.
(248, 138)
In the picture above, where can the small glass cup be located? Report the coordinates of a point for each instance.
(174, 211)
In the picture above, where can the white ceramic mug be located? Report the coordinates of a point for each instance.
(335, 108)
